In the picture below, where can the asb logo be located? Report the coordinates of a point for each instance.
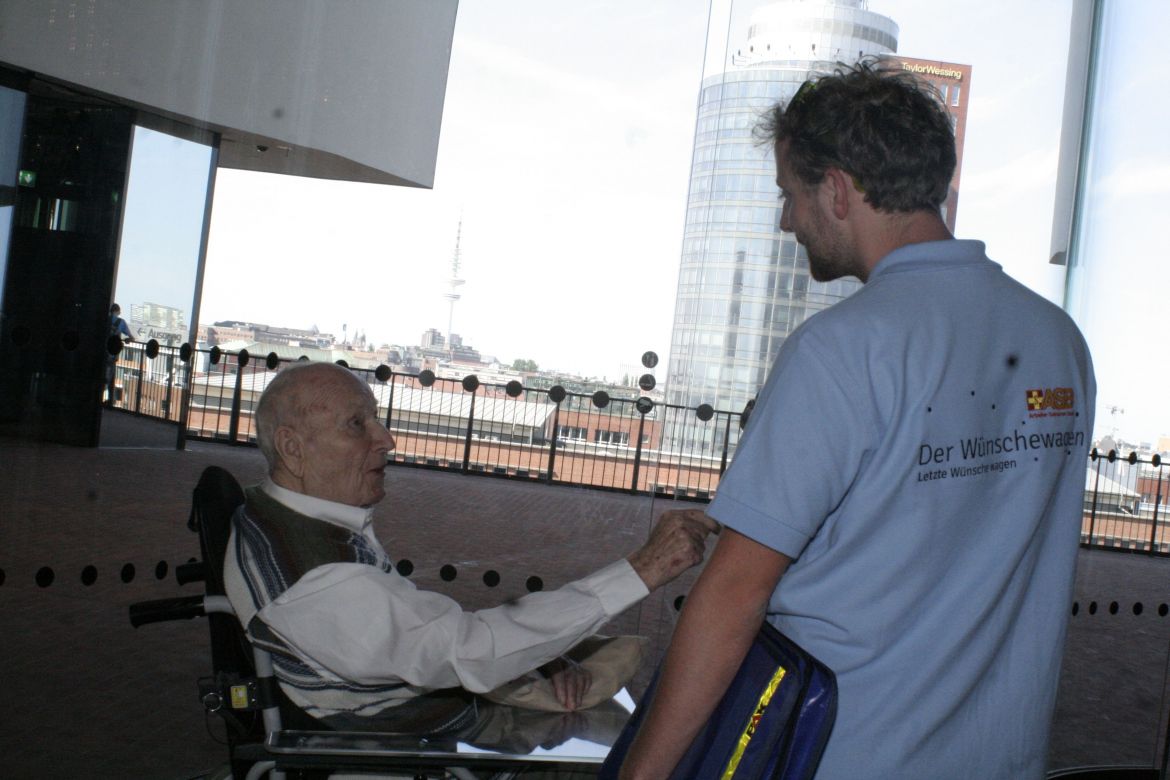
(1051, 398)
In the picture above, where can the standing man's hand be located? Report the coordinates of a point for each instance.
(676, 544)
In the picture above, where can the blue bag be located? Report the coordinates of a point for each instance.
(773, 721)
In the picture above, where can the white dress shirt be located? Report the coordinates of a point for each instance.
(358, 623)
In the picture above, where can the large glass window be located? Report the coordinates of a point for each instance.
(1119, 281)
(11, 121)
(597, 186)
(158, 269)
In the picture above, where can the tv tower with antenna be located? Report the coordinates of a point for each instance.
(454, 282)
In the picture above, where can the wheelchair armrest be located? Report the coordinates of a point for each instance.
(195, 571)
(161, 610)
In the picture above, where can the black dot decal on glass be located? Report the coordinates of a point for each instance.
(91, 494)
(1162, 610)
(405, 567)
(1076, 608)
(1012, 361)
(160, 570)
(993, 407)
(89, 575)
(45, 576)
(491, 578)
(1137, 608)
(929, 409)
(128, 573)
(534, 584)
(2, 576)
(678, 602)
(1092, 608)
(972, 392)
(1113, 607)
(448, 573)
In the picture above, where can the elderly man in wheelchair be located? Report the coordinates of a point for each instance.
(354, 646)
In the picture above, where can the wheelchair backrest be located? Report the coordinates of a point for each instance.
(215, 499)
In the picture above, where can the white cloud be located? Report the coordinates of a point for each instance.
(1034, 169)
(1136, 176)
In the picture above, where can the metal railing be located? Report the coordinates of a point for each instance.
(1126, 503)
(559, 437)
(547, 434)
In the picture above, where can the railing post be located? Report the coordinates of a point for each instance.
(726, 445)
(1096, 484)
(166, 404)
(390, 400)
(552, 445)
(141, 373)
(1154, 520)
(638, 454)
(185, 396)
(467, 439)
(237, 397)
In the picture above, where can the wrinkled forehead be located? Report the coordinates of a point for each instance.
(332, 394)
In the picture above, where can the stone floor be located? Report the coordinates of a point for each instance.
(89, 696)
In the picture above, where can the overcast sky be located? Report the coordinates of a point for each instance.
(566, 148)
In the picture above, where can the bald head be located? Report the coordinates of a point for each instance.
(318, 427)
(291, 398)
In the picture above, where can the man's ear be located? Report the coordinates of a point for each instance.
(839, 190)
(290, 450)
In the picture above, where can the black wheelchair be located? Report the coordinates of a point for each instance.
(269, 736)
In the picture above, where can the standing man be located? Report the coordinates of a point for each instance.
(906, 501)
(120, 332)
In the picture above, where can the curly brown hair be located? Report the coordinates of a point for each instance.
(886, 128)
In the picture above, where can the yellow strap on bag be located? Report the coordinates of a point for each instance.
(754, 721)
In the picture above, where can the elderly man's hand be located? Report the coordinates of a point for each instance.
(570, 681)
(676, 544)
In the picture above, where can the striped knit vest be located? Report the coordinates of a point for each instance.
(276, 547)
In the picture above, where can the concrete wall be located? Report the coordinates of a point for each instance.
(345, 89)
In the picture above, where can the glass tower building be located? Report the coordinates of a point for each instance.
(743, 285)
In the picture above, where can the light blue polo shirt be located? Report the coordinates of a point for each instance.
(919, 451)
